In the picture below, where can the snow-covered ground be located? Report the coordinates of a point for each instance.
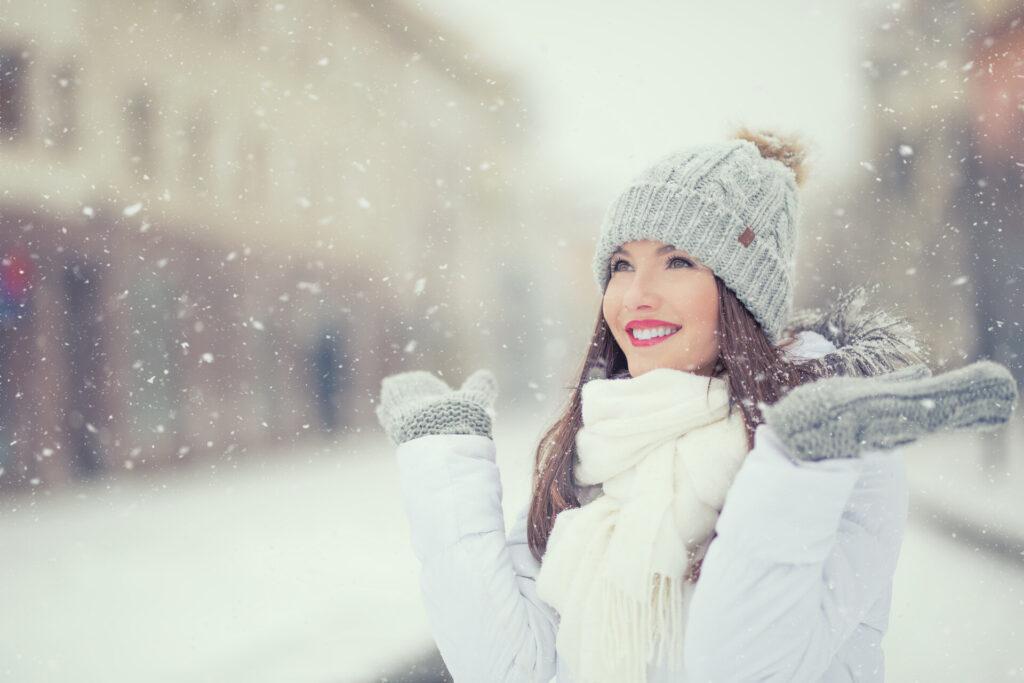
(958, 597)
(297, 567)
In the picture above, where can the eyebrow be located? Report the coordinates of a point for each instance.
(662, 250)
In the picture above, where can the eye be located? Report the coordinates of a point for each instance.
(615, 264)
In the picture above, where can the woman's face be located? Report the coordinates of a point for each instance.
(653, 285)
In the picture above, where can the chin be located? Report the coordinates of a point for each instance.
(637, 369)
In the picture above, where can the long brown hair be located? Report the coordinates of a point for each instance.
(758, 373)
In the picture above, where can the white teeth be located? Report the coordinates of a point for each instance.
(653, 332)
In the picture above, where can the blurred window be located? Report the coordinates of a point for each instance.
(139, 124)
(901, 158)
(12, 93)
(155, 393)
(254, 179)
(199, 134)
(63, 114)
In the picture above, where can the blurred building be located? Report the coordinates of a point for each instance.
(936, 213)
(992, 202)
(222, 223)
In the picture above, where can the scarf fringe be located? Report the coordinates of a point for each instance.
(639, 632)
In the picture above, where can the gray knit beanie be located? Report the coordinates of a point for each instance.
(727, 205)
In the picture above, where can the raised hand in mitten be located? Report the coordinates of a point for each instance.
(840, 417)
(417, 403)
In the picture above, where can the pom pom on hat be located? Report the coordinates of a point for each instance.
(788, 149)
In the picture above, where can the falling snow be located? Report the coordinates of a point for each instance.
(220, 220)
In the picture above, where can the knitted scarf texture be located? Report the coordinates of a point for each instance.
(664, 451)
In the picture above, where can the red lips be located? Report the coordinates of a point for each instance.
(648, 322)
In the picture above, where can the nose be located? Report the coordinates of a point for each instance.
(642, 292)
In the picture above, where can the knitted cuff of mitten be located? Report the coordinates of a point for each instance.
(839, 417)
(449, 416)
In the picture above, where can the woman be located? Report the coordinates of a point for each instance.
(721, 499)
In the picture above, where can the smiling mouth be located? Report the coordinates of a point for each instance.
(653, 340)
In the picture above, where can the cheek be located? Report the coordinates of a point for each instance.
(609, 305)
(699, 303)
(709, 313)
(708, 296)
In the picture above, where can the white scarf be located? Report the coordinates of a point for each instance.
(665, 453)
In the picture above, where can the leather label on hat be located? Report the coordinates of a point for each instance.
(747, 237)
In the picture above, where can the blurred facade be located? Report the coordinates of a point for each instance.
(941, 207)
(222, 223)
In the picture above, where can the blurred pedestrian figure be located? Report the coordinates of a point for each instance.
(329, 381)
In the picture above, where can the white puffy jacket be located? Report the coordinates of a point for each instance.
(796, 586)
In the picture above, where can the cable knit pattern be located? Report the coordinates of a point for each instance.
(724, 204)
(839, 417)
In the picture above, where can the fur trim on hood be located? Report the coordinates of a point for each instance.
(868, 340)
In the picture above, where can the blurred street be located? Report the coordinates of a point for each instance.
(298, 568)
(223, 224)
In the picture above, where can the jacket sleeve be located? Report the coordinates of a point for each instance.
(478, 587)
(802, 554)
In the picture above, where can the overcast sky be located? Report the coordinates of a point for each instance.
(616, 84)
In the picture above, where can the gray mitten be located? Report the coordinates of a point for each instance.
(840, 417)
(416, 403)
